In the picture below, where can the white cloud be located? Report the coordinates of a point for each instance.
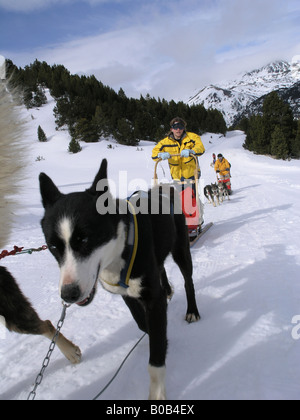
(170, 55)
(124, 58)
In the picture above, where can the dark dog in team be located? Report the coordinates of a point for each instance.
(211, 192)
(223, 191)
(90, 234)
(17, 314)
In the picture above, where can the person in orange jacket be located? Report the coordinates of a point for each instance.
(222, 168)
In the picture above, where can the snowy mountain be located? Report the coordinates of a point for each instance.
(290, 95)
(232, 97)
(246, 275)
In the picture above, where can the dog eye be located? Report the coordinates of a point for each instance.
(54, 251)
(82, 240)
(56, 248)
(79, 242)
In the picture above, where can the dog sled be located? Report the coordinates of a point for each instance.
(190, 202)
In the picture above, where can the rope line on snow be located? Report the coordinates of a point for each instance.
(119, 368)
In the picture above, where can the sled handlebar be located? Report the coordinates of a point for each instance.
(195, 173)
(222, 177)
(176, 155)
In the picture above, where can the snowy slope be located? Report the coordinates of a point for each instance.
(246, 273)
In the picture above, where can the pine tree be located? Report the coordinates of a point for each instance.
(41, 134)
(101, 122)
(277, 112)
(39, 98)
(34, 97)
(279, 144)
(74, 146)
(295, 145)
(86, 130)
(125, 133)
(274, 131)
(28, 98)
(256, 140)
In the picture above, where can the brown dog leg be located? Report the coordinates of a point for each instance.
(19, 316)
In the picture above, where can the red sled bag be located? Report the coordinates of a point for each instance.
(225, 181)
(190, 208)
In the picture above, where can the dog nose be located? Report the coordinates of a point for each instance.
(70, 293)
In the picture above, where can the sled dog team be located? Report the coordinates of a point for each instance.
(216, 193)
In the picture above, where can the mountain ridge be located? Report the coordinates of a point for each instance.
(232, 98)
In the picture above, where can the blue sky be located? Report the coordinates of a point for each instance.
(167, 48)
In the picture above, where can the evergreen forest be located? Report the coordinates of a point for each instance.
(91, 110)
(275, 132)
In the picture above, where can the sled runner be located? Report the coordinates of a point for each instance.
(203, 229)
(189, 194)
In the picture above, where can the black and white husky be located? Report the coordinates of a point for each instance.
(223, 191)
(16, 312)
(211, 192)
(92, 245)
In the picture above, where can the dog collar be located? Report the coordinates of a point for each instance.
(132, 242)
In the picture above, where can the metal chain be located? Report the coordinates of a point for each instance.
(46, 361)
(18, 251)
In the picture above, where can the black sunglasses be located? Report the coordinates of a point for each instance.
(178, 126)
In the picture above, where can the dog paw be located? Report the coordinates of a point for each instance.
(192, 318)
(73, 354)
(157, 383)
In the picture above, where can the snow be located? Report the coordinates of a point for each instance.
(295, 67)
(246, 274)
(233, 96)
(2, 67)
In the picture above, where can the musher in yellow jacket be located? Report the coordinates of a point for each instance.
(222, 168)
(182, 167)
(179, 141)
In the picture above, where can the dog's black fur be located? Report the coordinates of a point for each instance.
(208, 192)
(20, 316)
(15, 308)
(211, 193)
(158, 235)
(223, 191)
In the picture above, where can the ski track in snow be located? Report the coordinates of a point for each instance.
(246, 274)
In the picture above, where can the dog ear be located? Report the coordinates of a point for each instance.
(101, 176)
(49, 192)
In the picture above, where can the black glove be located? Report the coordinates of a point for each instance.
(218, 171)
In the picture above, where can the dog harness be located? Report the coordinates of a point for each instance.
(132, 242)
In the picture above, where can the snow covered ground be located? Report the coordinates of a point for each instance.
(246, 274)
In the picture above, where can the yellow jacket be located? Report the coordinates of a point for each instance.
(223, 166)
(180, 167)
